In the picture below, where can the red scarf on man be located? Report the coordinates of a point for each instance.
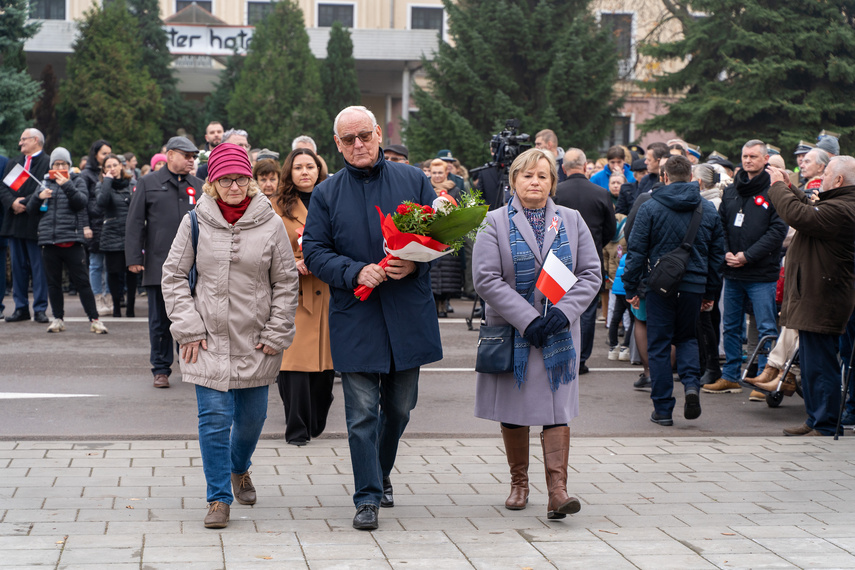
(233, 213)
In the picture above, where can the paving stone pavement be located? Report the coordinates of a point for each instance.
(657, 503)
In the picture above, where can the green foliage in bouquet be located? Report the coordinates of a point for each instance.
(449, 224)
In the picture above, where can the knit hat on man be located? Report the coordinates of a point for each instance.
(60, 153)
(228, 158)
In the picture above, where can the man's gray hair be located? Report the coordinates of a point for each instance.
(844, 166)
(232, 132)
(820, 156)
(305, 140)
(756, 142)
(40, 137)
(351, 109)
(574, 159)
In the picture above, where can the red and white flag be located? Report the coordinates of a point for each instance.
(555, 278)
(16, 177)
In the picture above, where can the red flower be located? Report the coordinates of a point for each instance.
(403, 209)
(427, 209)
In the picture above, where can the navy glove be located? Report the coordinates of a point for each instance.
(534, 333)
(554, 322)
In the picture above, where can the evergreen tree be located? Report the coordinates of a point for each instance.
(339, 84)
(217, 101)
(777, 70)
(178, 113)
(278, 93)
(44, 111)
(18, 91)
(108, 92)
(544, 62)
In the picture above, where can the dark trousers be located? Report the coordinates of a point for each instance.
(74, 260)
(116, 283)
(820, 380)
(3, 247)
(617, 316)
(26, 261)
(707, 330)
(847, 339)
(588, 324)
(307, 397)
(158, 332)
(672, 321)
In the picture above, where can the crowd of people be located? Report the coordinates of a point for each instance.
(249, 259)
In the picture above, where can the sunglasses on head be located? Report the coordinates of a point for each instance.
(364, 136)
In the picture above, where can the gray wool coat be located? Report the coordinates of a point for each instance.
(496, 396)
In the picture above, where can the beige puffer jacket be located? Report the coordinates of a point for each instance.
(246, 294)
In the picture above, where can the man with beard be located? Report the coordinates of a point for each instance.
(754, 235)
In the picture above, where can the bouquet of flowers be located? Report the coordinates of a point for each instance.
(424, 233)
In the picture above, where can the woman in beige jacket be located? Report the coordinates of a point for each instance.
(306, 380)
(234, 327)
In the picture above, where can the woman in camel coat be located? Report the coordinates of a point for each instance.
(306, 377)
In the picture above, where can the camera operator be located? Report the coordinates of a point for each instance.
(492, 178)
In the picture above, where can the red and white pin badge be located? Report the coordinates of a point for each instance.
(556, 221)
(191, 195)
(761, 201)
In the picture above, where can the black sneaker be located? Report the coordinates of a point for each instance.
(661, 420)
(388, 499)
(366, 517)
(692, 408)
(643, 382)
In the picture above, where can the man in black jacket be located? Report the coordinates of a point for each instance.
(160, 201)
(595, 206)
(656, 153)
(22, 229)
(754, 235)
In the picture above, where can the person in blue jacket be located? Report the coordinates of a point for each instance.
(378, 344)
(617, 163)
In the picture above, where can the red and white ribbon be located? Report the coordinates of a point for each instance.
(761, 201)
(556, 221)
(191, 195)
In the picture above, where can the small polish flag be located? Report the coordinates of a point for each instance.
(300, 237)
(16, 177)
(555, 278)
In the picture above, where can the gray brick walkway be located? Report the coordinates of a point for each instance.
(655, 503)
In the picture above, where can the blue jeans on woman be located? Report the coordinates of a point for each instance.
(97, 273)
(229, 427)
(377, 408)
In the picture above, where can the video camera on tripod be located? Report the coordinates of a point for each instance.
(493, 176)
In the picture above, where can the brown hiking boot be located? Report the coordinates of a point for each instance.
(788, 386)
(769, 373)
(798, 430)
(722, 386)
(243, 489)
(218, 515)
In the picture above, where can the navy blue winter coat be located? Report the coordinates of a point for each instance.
(661, 226)
(398, 321)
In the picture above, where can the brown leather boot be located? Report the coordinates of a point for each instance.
(556, 453)
(788, 386)
(769, 373)
(516, 448)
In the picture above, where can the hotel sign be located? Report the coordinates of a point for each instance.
(187, 39)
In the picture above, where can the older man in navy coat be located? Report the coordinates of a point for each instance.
(378, 344)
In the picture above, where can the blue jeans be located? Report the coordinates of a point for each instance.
(377, 408)
(26, 261)
(762, 297)
(229, 427)
(97, 273)
(672, 321)
(820, 380)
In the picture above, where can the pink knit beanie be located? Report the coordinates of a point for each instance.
(228, 158)
(157, 158)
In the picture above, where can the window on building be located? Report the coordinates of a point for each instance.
(620, 26)
(181, 4)
(426, 18)
(257, 11)
(620, 133)
(47, 9)
(329, 13)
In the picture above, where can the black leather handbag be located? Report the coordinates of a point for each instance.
(495, 349)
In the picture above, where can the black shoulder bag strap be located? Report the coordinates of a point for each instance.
(193, 276)
(693, 227)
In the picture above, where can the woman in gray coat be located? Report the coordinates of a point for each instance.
(542, 389)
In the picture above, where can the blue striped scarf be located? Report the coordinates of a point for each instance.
(559, 355)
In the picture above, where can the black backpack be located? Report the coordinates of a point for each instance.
(667, 273)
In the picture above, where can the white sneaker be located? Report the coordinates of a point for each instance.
(105, 309)
(624, 354)
(56, 326)
(614, 353)
(97, 327)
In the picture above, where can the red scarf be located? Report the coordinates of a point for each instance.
(233, 213)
